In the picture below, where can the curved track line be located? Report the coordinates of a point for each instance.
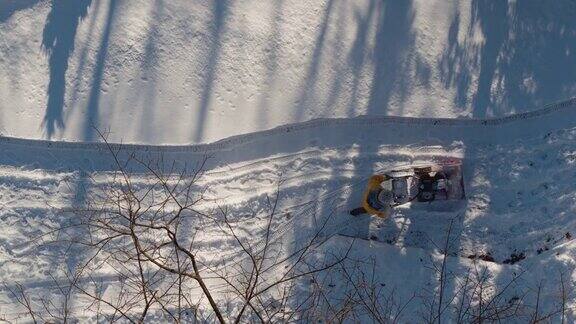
(560, 107)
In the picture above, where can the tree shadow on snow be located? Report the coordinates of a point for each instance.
(91, 119)
(9, 7)
(58, 41)
(216, 29)
(525, 58)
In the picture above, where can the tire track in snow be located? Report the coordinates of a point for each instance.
(228, 174)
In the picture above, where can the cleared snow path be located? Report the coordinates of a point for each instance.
(519, 173)
(320, 133)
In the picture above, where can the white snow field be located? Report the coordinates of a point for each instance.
(318, 94)
(180, 72)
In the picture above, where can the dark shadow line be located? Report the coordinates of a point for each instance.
(219, 11)
(58, 41)
(309, 82)
(91, 119)
(495, 29)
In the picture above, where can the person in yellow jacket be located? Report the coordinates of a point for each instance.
(377, 198)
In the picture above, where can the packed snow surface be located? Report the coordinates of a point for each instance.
(317, 94)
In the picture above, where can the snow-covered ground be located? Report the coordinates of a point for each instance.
(519, 174)
(303, 92)
(179, 72)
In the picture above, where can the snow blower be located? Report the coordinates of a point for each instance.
(437, 181)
